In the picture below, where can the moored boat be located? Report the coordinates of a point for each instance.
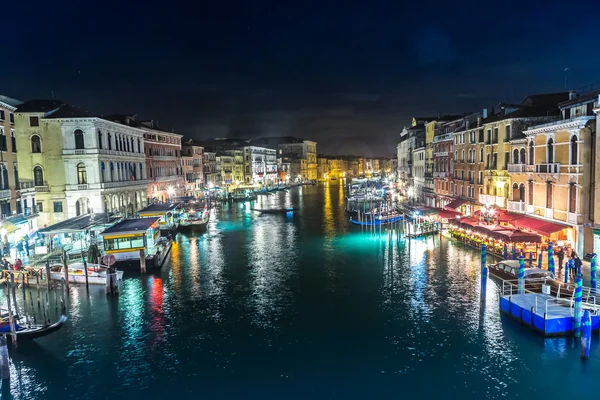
(96, 273)
(376, 220)
(34, 331)
(535, 278)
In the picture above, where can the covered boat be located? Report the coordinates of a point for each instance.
(34, 331)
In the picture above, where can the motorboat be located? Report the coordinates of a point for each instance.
(285, 210)
(535, 278)
(96, 273)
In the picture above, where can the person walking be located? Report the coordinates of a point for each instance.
(19, 248)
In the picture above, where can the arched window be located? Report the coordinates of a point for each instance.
(549, 195)
(79, 143)
(572, 198)
(523, 160)
(515, 192)
(81, 174)
(522, 192)
(4, 177)
(531, 152)
(530, 194)
(99, 139)
(112, 169)
(515, 156)
(109, 137)
(36, 144)
(550, 151)
(102, 172)
(139, 149)
(77, 208)
(574, 153)
(16, 172)
(141, 175)
(38, 176)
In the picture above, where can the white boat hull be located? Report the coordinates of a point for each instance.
(77, 275)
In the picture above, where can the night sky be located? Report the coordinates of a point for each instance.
(349, 75)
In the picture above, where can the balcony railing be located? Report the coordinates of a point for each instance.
(498, 201)
(547, 168)
(440, 174)
(22, 185)
(5, 194)
(42, 188)
(516, 206)
(517, 168)
(441, 154)
(428, 174)
(574, 218)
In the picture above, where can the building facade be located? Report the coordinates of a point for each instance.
(559, 174)
(260, 166)
(79, 163)
(194, 176)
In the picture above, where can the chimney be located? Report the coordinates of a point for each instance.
(478, 121)
(572, 94)
(485, 113)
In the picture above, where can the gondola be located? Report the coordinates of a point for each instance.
(508, 270)
(34, 331)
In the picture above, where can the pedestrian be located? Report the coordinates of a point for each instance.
(18, 265)
(576, 265)
(26, 243)
(5, 264)
(19, 248)
(560, 254)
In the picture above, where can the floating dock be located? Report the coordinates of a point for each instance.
(544, 313)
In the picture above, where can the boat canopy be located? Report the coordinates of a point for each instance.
(157, 209)
(79, 223)
(131, 226)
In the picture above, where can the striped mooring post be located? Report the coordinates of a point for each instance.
(577, 312)
(539, 260)
(521, 275)
(593, 274)
(505, 253)
(484, 271)
(550, 258)
(568, 265)
(586, 334)
(514, 252)
(531, 259)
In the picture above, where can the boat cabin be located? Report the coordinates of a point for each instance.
(125, 239)
(511, 267)
(167, 213)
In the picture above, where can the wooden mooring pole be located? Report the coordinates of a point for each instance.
(4, 364)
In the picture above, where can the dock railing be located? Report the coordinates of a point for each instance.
(562, 296)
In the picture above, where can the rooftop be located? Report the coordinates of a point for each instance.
(68, 111)
(586, 97)
(39, 106)
(9, 101)
(131, 225)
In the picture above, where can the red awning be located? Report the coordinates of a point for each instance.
(540, 226)
(446, 214)
(454, 204)
(518, 236)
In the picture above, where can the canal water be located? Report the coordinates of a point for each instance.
(296, 307)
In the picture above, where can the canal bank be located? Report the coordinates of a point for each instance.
(278, 306)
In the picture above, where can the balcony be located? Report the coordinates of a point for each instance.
(428, 174)
(441, 154)
(42, 188)
(440, 174)
(107, 185)
(166, 178)
(516, 206)
(574, 218)
(547, 168)
(79, 152)
(517, 168)
(5, 194)
(491, 200)
(23, 185)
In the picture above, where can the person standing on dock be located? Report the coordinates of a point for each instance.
(560, 254)
(576, 265)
